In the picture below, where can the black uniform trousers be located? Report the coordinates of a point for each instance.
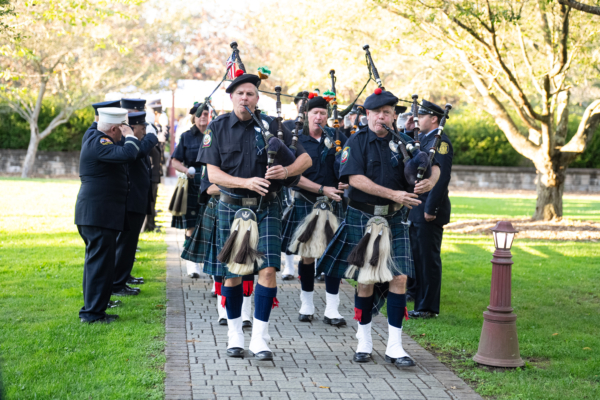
(127, 242)
(100, 248)
(150, 222)
(426, 246)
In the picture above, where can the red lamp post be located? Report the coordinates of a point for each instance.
(499, 345)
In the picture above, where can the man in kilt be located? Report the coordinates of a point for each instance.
(202, 248)
(234, 152)
(184, 161)
(318, 183)
(378, 187)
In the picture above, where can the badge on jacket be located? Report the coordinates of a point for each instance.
(345, 155)
(443, 148)
(105, 141)
(207, 140)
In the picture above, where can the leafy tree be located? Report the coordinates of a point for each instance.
(522, 58)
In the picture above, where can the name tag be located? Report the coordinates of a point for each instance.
(381, 210)
(249, 201)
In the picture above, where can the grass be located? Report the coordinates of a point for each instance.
(555, 294)
(45, 352)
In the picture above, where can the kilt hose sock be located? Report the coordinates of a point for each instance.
(363, 308)
(248, 282)
(306, 273)
(264, 301)
(233, 298)
(332, 297)
(396, 308)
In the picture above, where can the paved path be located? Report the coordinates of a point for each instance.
(312, 360)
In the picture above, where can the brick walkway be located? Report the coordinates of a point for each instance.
(312, 360)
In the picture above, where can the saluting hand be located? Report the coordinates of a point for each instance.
(126, 130)
(406, 199)
(258, 185)
(333, 193)
(275, 172)
(424, 186)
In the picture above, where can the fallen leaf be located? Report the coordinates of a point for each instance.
(554, 334)
(324, 387)
(159, 306)
(586, 348)
(422, 334)
(452, 387)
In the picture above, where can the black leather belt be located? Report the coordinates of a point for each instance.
(310, 197)
(376, 210)
(247, 201)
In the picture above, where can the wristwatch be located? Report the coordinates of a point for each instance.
(321, 190)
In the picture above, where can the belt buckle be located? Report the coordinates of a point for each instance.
(249, 201)
(381, 210)
(322, 198)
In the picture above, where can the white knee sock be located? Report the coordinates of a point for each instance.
(394, 345)
(247, 309)
(222, 311)
(289, 265)
(365, 341)
(332, 306)
(308, 307)
(235, 333)
(192, 267)
(260, 336)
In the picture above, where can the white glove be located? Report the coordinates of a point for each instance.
(191, 171)
(180, 174)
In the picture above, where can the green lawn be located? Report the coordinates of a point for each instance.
(45, 352)
(555, 293)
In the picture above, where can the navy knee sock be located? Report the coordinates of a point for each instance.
(263, 302)
(363, 309)
(396, 309)
(332, 285)
(248, 282)
(234, 298)
(307, 276)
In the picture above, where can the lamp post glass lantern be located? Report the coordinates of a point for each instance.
(499, 345)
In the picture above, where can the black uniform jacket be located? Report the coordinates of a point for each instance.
(188, 147)
(138, 199)
(238, 148)
(436, 202)
(102, 198)
(89, 131)
(371, 156)
(323, 170)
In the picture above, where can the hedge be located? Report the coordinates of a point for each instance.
(476, 139)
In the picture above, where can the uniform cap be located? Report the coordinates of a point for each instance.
(133, 104)
(400, 109)
(428, 107)
(137, 118)
(244, 78)
(380, 98)
(317, 102)
(112, 115)
(112, 103)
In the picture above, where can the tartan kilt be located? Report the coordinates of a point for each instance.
(333, 262)
(212, 266)
(192, 215)
(300, 209)
(269, 232)
(195, 248)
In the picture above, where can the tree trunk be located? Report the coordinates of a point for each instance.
(30, 157)
(550, 187)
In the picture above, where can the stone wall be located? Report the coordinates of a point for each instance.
(471, 177)
(464, 177)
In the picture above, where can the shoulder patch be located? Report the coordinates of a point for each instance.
(345, 155)
(203, 172)
(207, 140)
(443, 148)
(104, 141)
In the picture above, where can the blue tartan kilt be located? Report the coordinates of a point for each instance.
(212, 266)
(333, 262)
(192, 215)
(299, 210)
(269, 232)
(195, 248)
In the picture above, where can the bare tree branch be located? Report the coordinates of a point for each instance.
(585, 132)
(580, 6)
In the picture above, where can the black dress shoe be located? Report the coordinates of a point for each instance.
(114, 304)
(305, 318)
(361, 357)
(334, 321)
(126, 291)
(410, 299)
(135, 281)
(236, 352)
(213, 294)
(421, 314)
(107, 319)
(246, 324)
(194, 275)
(287, 277)
(321, 278)
(133, 288)
(223, 321)
(400, 362)
(263, 356)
